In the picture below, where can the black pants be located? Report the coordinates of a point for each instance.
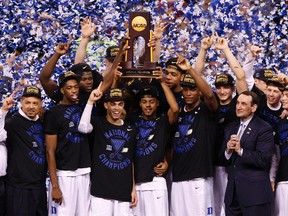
(236, 209)
(2, 196)
(30, 202)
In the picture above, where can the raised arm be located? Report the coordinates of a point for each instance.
(204, 88)
(85, 125)
(87, 29)
(47, 83)
(200, 60)
(222, 44)
(172, 113)
(109, 77)
(6, 106)
(248, 66)
(156, 40)
(283, 78)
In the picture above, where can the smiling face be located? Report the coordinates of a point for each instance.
(149, 106)
(115, 109)
(285, 99)
(31, 106)
(224, 93)
(273, 95)
(244, 108)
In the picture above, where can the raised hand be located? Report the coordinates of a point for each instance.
(283, 78)
(221, 44)
(11, 57)
(206, 43)
(152, 42)
(158, 73)
(117, 74)
(183, 63)
(255, 50)
(87, 27)
(62, 48)
(8, 103)
(158, 30)
(95, 95)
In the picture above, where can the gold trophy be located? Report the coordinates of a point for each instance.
(139, 61)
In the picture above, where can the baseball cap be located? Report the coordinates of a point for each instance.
(188, 81)
(274, 80)
(31, 91)
(172, 61)
(80, 68)
(285, 88)
(263, 74)
(114, 94)
(112, 52)
(67, 76)
(149, 90)
(134, 86)
(224, 80)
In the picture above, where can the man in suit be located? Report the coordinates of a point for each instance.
(249, 148)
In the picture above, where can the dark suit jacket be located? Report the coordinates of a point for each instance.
(249, 173)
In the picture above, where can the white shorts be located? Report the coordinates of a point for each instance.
(76, 196)
(219, 188)
(192, 198)
(281, 199)
(106, 207)
(152, 198)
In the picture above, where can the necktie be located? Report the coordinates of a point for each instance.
(241, 130)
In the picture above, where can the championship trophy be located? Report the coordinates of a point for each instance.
(138, 61)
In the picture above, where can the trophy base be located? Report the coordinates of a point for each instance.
(140, 72)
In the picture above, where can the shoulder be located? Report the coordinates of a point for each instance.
(129, 125)
(260, 124)
(131, 118)
(13, 119)
(232, 124)
(53, 111)
(97, 77)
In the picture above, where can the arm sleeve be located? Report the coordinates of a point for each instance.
(85, 125)
(227, 155)
(274, 163)
(3, 134)
(249, 72)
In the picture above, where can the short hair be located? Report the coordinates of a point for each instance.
(255, 98)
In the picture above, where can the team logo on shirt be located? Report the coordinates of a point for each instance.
(115, 157)
(145, 145)
(222, 113)
(37, 154)
(183, 136)
(73, 114)
(272, 119)
(283, 139)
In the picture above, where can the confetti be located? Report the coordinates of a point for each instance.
(38, 26)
